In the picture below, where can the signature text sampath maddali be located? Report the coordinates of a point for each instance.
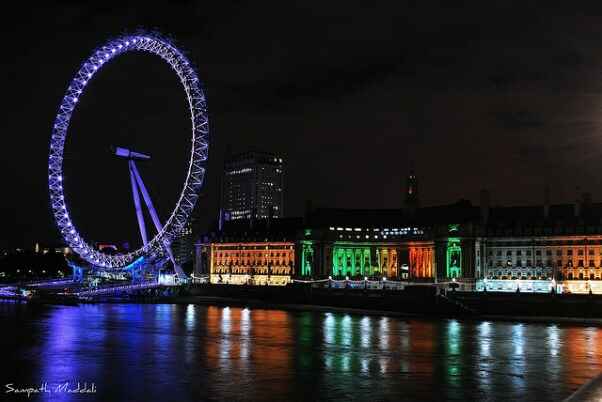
(67, 387)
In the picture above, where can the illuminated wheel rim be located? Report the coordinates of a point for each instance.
(178, 218)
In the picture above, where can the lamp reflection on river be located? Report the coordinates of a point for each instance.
(453, 358)
(485, 339)
(245, 332)
(190, 318)
(553, 340)
(225, 343)
(518, 361)
(384, 343)
(518, 339)
(346, 331)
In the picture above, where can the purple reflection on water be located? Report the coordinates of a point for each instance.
(190, 353)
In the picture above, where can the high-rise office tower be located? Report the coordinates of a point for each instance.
(253, 186)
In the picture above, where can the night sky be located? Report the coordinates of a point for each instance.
(474, 95)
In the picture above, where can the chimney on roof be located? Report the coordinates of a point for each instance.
(484, 203)
(546, 201)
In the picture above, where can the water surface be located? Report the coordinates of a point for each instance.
(193, 353)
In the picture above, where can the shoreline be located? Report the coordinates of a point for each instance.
(255, 303)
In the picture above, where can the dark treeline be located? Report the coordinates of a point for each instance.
(28, 265)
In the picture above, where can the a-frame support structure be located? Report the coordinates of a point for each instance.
(138, 188)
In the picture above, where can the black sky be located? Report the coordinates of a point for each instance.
(500, 95)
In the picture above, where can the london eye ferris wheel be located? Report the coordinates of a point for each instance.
(167, 232)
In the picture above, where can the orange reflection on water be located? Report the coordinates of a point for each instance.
(581, 350)
(421, 344)
(249, 342)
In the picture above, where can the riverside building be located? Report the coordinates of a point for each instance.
(539, 248)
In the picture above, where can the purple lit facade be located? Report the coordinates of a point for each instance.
(163, 48)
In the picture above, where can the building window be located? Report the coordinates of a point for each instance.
(590, 251)
(591, 263)
(519, 252)
(559, 263)
(569, 252)
(528, 253)
(580, 251)
(549, 253)
(499, 253)
(509, 253)
(538, 252)
(558, 252)
(580, 263)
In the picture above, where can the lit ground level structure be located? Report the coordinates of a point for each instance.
(249, 252)
(341, 245)
(529, 249)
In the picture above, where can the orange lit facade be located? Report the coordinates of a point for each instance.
(422, 261)
(253, 263)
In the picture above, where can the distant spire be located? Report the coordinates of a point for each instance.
(411, 195)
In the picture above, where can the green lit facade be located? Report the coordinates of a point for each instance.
(454, 258)
(307, 257)
(351, 260)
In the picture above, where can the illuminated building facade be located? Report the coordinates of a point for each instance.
(252, 263)
(253, 186)
(250, 252)
(545, 246)
(400, 244)
(337, 254)
(531, 249)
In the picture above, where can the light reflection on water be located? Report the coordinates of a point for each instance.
(171, 352)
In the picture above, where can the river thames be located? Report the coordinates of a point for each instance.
(169, 352)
